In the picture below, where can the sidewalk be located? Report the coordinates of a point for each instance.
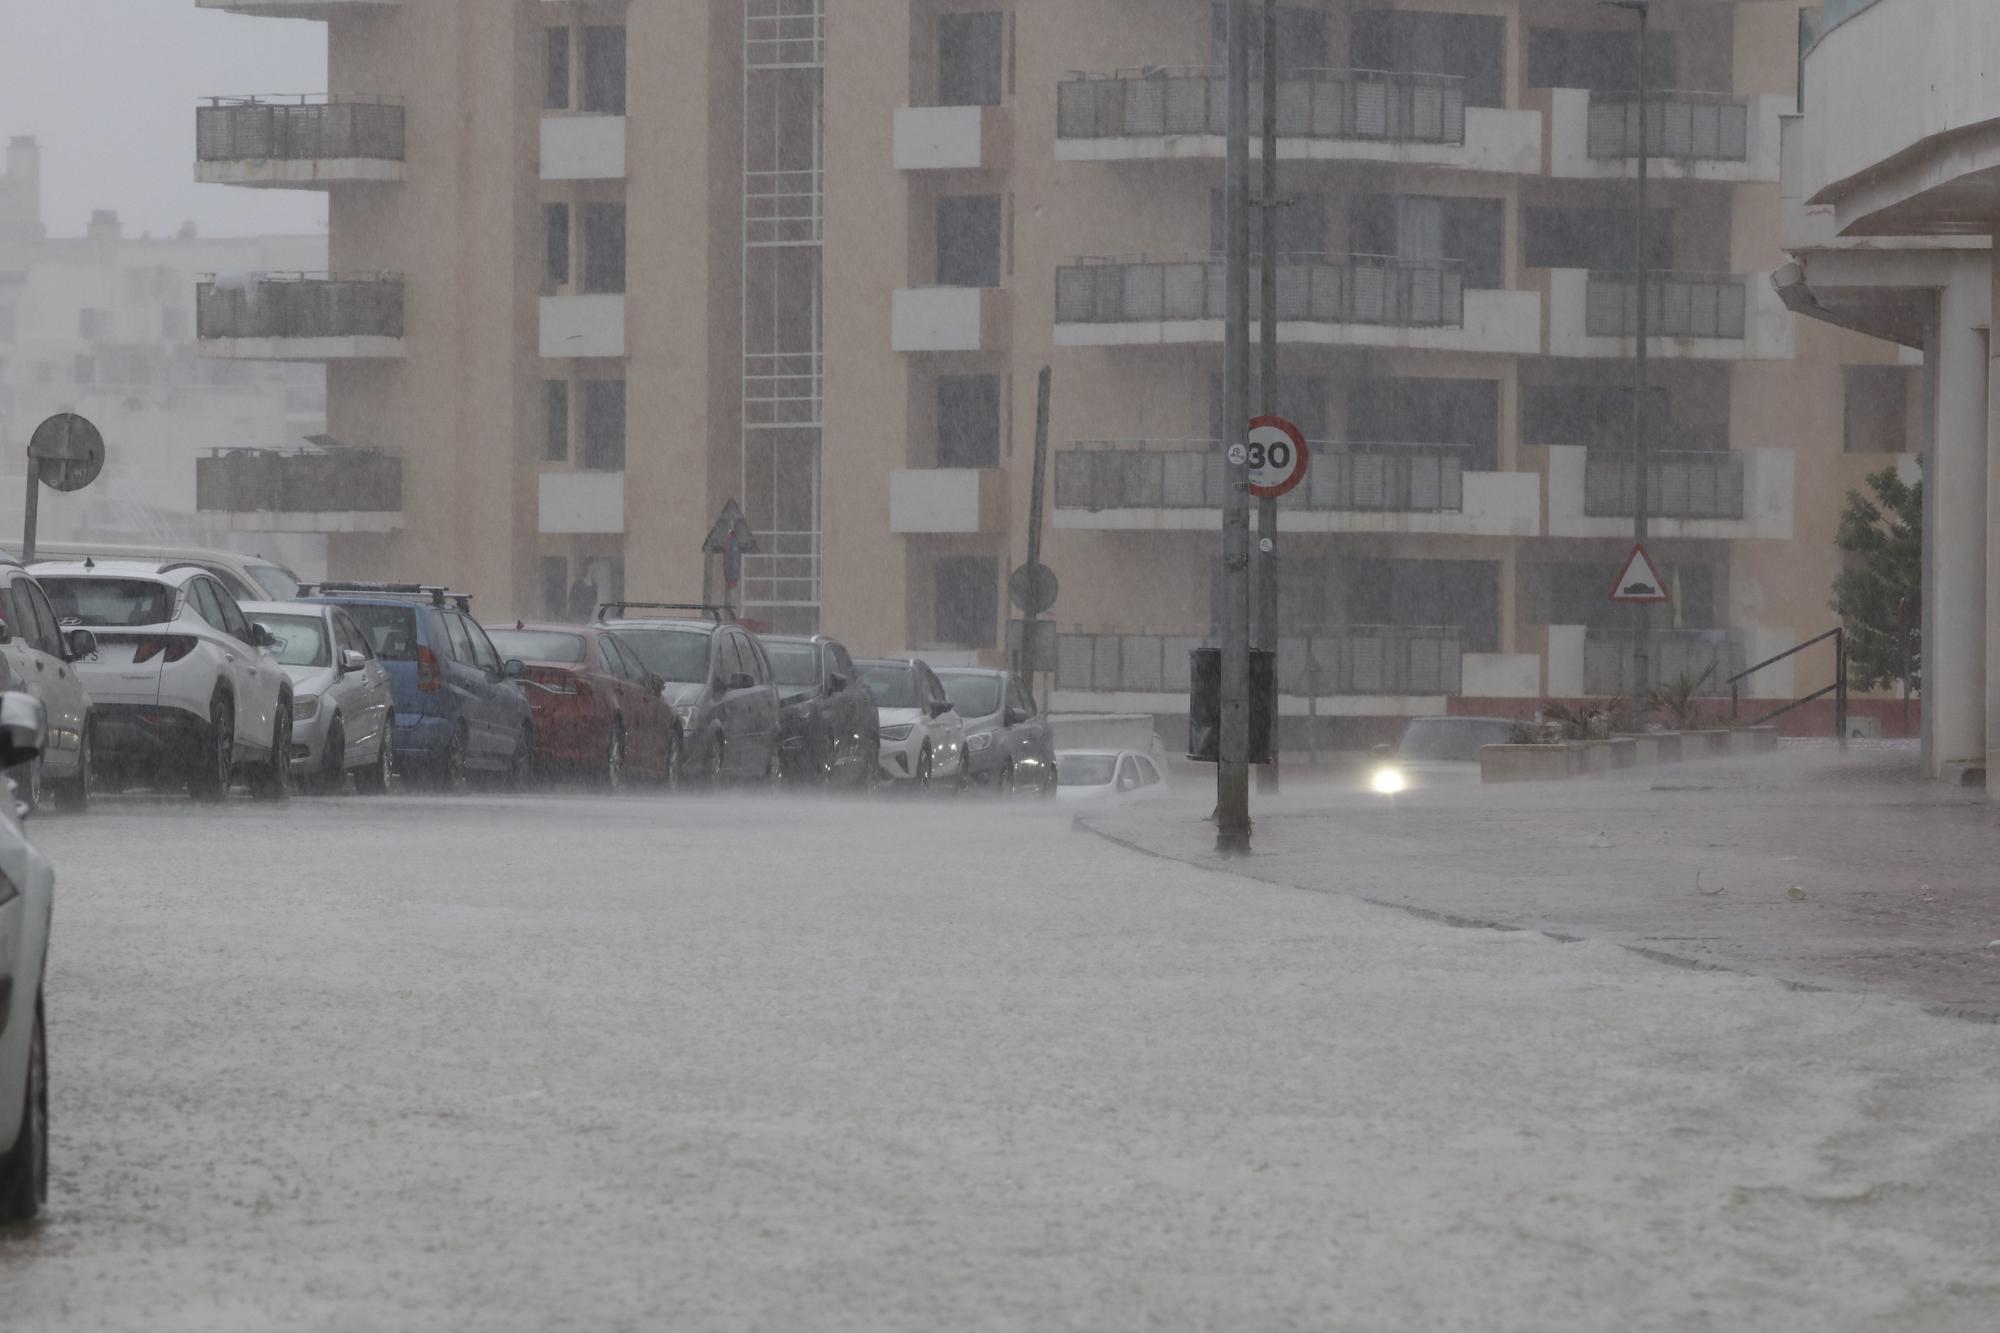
(1844, 872)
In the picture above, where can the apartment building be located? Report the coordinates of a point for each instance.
(599, 267)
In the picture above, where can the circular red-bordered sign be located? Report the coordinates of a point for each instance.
(1276, 455)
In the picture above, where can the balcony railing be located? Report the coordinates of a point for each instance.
(1671, 656)
(1327, 289)
(1354, 659)
(248, 481)
(232, 129)
(301, 305)
(1097, 475)
(1678, 485)
(1696, 126)
(1679, 305)
(1312, 104)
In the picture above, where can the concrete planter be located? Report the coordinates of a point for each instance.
(1713, 742)
(1625, 752)
(1667, 747)
(1524, 763)
(1763, 740)
(1590, 756)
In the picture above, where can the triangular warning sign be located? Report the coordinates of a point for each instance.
(1639, 580)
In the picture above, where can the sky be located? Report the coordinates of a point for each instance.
(109, 87)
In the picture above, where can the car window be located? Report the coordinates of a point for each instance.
(634, 668)
(842, 663)
(794, 665)
(1084, 770)
(538, 645)
(20, 615)
(672, 654)
(274, 582)
(110, 602)
(740, 658)
(301, 640)
(1148, 775)
(483, 653)
(390, 630)
(459, 640)
(613, 659)
(933, 689)
(892, 685)
(202, 593)
(349, 635)
(234, 622)
(760, 665)
(1017, 697)
(47, 630)
(1128, 776)
(973, 695)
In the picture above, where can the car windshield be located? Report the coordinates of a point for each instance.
(391, 630)
(83, 600)
(300, 640)
(1450, 740)
(277, 582)
(676, 655)
(538, 645)
(972, 695)
(794, 665)
(891, 685)
(1085, 770)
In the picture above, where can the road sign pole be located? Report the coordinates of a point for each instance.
(1642, 675)
(1267, 349)
(1232, 773)
(30, 517)
(1029, 660)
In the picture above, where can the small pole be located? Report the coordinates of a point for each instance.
(1312, 705)
(1267, 332)
(1840, 684)
(30, 515)
(1030, 660)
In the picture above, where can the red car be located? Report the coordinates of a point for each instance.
(598, 710)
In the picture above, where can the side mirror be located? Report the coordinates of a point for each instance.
(24, 728)
(739, 680)
(940, 707)
(1016, 716)
(81, 644)
(351, 662)
(513, 669)
(656, 682)
(6, 632)
(261, 637)
(1382, 751)
(837, 683)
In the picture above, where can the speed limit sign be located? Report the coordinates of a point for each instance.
(1276, 456)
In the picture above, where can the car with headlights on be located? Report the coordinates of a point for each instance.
(827, 729)
(27, 894)
(343, 708)
(718, 683)
(920, 735)
(1107, 777)
(1436, 752)
(1009, 742)
(598, 710)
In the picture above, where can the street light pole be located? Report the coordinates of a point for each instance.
(1267, 375)
(1641, 612)
(1232, 773)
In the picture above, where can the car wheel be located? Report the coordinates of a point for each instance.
(374, 779)
(1049, 780)
(74, 795)
(670, 775)
(274, 781)
(1003, 782)
(924, 770)
(712, 770)
(448, 775)
(215, 763)
(523, 762)
(612, 775)
(24, 1170)
(333, 762)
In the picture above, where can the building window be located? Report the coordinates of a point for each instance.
(1878, 409)
(968, 421)
(1595, 238)
(1593, 415)
(969, 59)
(1301, 400)
(604, 70)
(555, 243)
(555, 587)
(556, 97)
(968, 240)
(1468, 46)
(1422, 227)
(555, 407)
(604, 425)
(1450, 594)
(1301, 39)
(1301, 225)
(1571, 592)
(1408, 410)
(1602, 59)
(606, 573)
(966, 596)
(604, 247)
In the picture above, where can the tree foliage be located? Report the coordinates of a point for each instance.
(1882, 533)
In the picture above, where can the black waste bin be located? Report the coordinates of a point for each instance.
(1205, 704)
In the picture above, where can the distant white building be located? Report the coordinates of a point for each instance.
(104, 325)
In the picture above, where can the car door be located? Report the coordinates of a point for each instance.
(464, 679)
(368, 699)
(264, 680)
(48, 674)
(505, 705)
(947, 729)
(742, 753)
(205, 595)
(647, 732)
(767, 709)
(853, 712)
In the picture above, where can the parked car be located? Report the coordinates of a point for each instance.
(598, 709)
(1009, 743)
(27, 895)
(183, 686)
(343, 710)
(39, 657)
(922, 738)
(249, 578)
(828, 728)
(457, 712)
(1437, 751)
(1107, 777)
(718, 682)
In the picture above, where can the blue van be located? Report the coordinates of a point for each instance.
(458, 710)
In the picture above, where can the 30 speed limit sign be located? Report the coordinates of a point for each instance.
(1276, 456)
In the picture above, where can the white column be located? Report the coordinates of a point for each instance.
(1954, 659)
(1990, 626)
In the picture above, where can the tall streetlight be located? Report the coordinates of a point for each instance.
(1232, 774)
(1641, 625)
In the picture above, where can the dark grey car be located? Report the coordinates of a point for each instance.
(718, 682)
(1009, 741)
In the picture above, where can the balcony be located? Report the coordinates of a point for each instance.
(948, 319)
(299, 9)
(1671, 655)
(1375, 488)
(583, 148)
(581, 503)
(1344, 300)
(299, 144)
(1711, 493)
(952, 138)
(300, 316)
(337, 490)
(1323, 115)
(1691, 316)
(1690, 136)
(1377, 662)
(583, 324)
(947, 500)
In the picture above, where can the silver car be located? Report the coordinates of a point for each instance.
(343, 712)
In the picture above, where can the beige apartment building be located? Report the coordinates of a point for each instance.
(601, 266)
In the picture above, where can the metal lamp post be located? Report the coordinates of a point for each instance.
(1642, 613)
(1232, 775)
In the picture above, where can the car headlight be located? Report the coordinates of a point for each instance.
(305, 708)
(687, 713)
(1389, 781)
(979, 742)
(901, 733)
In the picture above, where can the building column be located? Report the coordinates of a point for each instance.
(1955, 503)
(1989, 629)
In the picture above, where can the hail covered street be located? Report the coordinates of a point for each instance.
(571, 1062)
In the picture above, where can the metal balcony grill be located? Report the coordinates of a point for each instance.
(1679, 305)
(232, 129)
(1693, 126)
(1313, 104)
(302, 305)
(1678, 485)
(1352, 478)
(1353, 660)
(1322, 289)
(247, 481)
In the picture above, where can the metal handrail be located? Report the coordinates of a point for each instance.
(1362, 105)
(1838, 689)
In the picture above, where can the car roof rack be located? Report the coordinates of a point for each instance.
(437, 595)
(720, 614)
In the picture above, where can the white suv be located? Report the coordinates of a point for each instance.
(182, 685)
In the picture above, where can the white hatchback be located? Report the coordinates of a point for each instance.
(1107, 777)
(27, 894)
(922, 735)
